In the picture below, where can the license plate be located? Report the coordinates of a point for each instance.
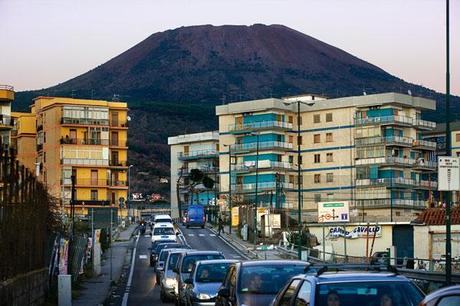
(164, 236)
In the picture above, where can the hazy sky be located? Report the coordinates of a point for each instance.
(45, 42)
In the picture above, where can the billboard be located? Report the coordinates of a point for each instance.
(330, 212)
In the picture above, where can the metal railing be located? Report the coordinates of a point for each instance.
(425, 143)
(263, 164)
(7, 87)
(385, 120)
(389, 182)
(84, 121)
(427, 184)
(118, 143)
(386, 160)
(259, 125)
(5, 120)
(85, 161)
(262, 186)
(425, 164)
(85, 141)
(385, 203)
(262, 146)
(425, 124)
(396, 140)
(117, 163)
(198, 154)
(118, 123)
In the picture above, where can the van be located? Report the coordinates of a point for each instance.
(195, 216)
(163, 231)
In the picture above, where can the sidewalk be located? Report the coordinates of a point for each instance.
(97, 288)
(247, 247)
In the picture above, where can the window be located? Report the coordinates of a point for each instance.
(329, 177)
(317, 158)
(93, 195)
(300, 160)
(303, 297)
(291, 179)
(286, 298)
(316, 138)
(291, 159)
(291, 139)
(291, 119)
(329, 137)
(457, 137)
(317, 197)
(449, 300)
(329, 117)
(329, 157)
(316, 118)
(44, 157)
(299, 139)
(317, 178)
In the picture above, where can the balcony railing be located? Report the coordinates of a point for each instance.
(266, 145)
(114, 123)
(263, 165)
(208, 170)
(263, 125)
(387, 203)
(197, 154)
(389, 160)
(84, 141)
(388, 182)
(403, 120)
(423, 184)
(84, 121)
(85, 161)
(389, 140)
(262, 186)
(118, 143)
(92, 202)
(424, 124)
(431, 145)
(7, 87)
(6, 120)
(422, 164)
(117, 163)
(94, 182)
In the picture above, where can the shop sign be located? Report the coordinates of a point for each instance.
(358, 232)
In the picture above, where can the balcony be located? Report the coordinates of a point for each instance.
(397, 182)
(389, 141)
(200, 154)
(386, 161)
(84, 141)
(92, 202)
(429, 185)
(6, 93)
(425, 125)
(84, 162)
(261, 186)
(264, 165)
(6, 122)
(422, 164)
(385, 120)
(118, 124)
(83, 121)
(117, 163)
(425, 145)
(259, 126)
(388, 203)
(207, 170)
(118, 143)
(266, 145)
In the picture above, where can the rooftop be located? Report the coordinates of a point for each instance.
(196, 137)
(437, 216)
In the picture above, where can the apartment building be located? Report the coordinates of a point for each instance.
(87, 139)
(367, 150)
(24, 139)
(193, 151)
(6, 124)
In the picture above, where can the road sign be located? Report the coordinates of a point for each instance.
(448, 173)
(330, 212)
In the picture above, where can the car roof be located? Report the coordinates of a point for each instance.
(163, 224)
(162, 216)
(195, 252)
(357, 276)
(216, 261)
(440, 292)
(273, 262)
(171, 250)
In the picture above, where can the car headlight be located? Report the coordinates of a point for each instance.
(203, 296)
(171, 282)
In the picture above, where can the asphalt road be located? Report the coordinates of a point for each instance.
(144, 290)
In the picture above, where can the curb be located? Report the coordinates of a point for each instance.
(236, 245)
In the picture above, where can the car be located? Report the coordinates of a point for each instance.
(204, 282)
(184, 267)
(162, 219)
(164, 231)
(155, 251)
(163, 255)
(257, 282)
(195, 216)
(449, 296)
(168, 281)
(344, 286)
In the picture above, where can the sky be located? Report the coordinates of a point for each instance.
(46, 42)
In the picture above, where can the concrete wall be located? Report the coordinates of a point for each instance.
(26, 289)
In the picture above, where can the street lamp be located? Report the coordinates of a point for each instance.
(299, 191)
(257, 186)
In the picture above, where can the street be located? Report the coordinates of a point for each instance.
(144, 290)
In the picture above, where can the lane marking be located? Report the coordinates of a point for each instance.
(212, 235)
(201, 235)
(235, 256)
(142, 256)
(130, 278)
(191, 235)
(146, 236)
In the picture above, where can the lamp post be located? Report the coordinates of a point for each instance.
(129, 190)
(299, 178)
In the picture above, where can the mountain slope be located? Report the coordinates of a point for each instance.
(201, 66)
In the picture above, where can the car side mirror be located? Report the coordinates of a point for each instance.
(188, 281)
(177, 233)
(224, 292)
(175, 270)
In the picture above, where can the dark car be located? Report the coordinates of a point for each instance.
(155, 251)
(256, 283)
(206, 278)
(449, 296)
(350, 287)
(185, 265)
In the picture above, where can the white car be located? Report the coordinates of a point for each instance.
(162, 219)
(164, 231)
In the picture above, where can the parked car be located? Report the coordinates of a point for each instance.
(155, 251)
(185, 265)
(168, 281)
(449, 296)
(206, 278)
(164, 231)
(256, 283)
(349, 287)
(195, 216)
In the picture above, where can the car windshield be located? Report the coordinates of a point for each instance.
(267, 279)
(369, 293)
(163, 231)
(164, 255)
(173, 260)
(189, 261)
(163, 221)
(211, 273)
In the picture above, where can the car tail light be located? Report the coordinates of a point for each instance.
(204, 219)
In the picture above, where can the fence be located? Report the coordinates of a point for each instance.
(27, 221)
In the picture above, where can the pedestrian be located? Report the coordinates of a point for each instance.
(221, 225)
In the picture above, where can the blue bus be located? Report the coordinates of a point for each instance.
(195, 216)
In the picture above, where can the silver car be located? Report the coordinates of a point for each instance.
(168, 282)
(206, 278)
